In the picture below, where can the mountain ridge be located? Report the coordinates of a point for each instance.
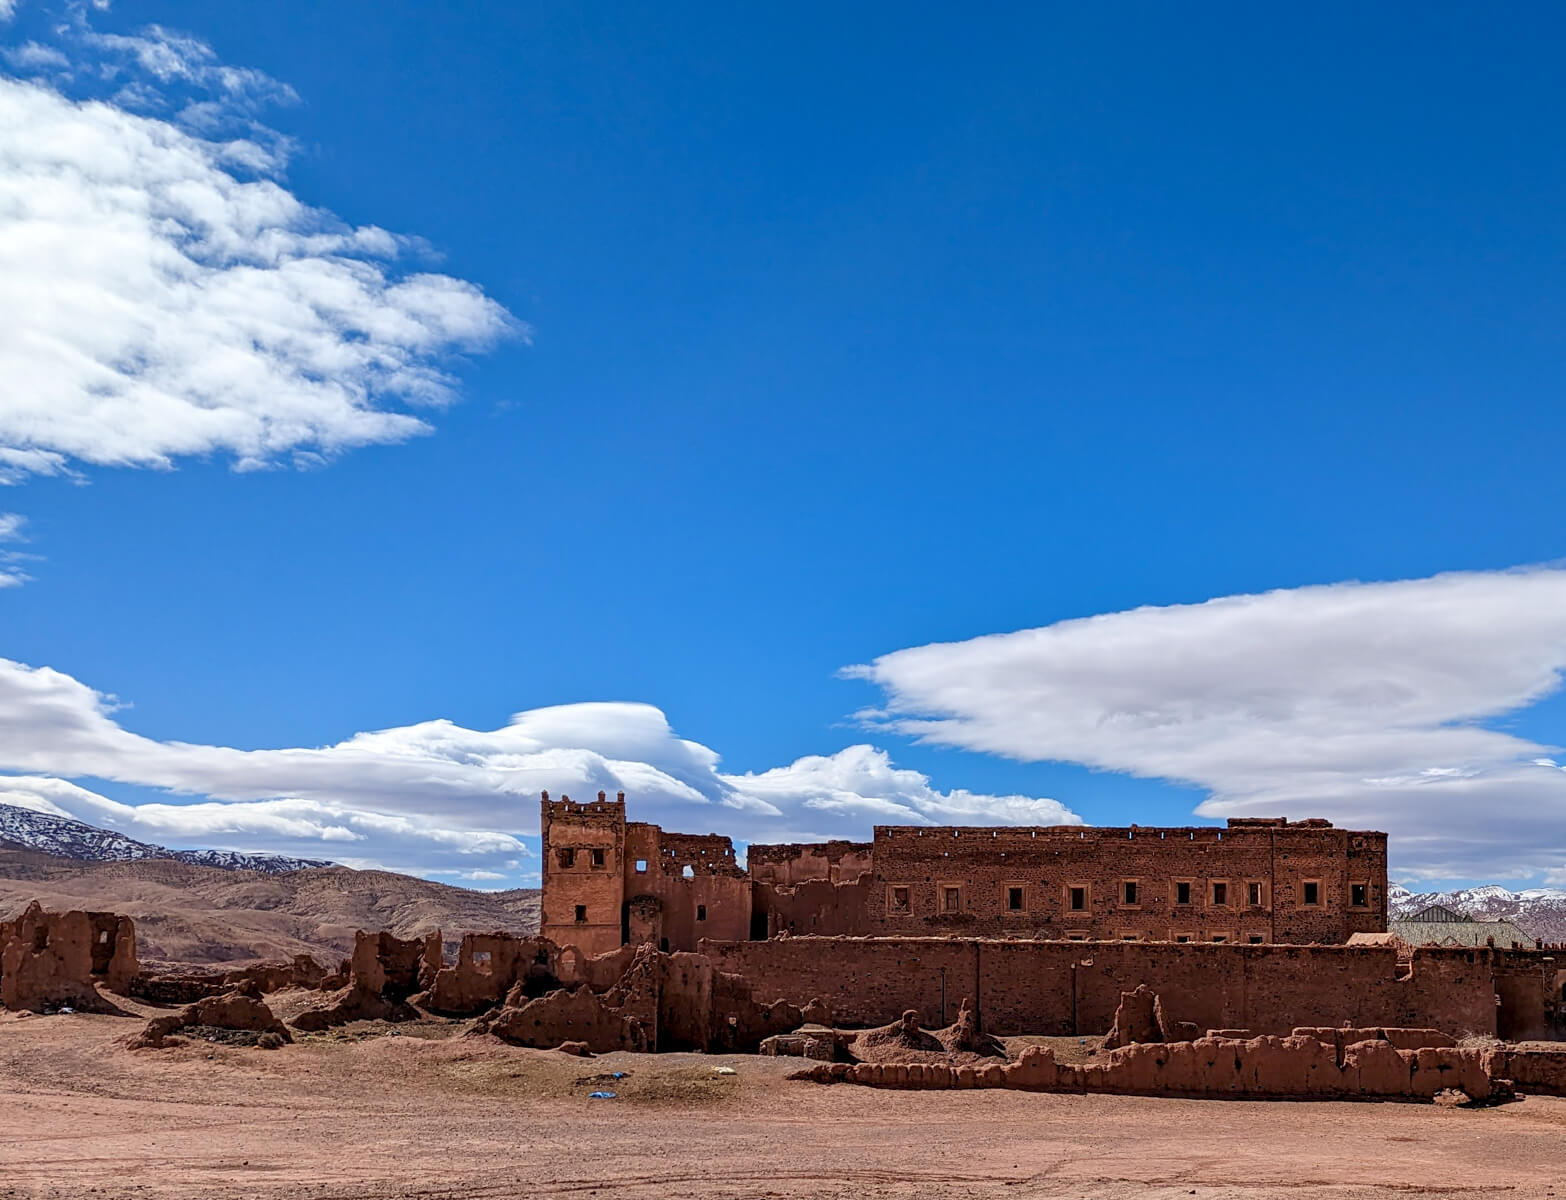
(65, 837)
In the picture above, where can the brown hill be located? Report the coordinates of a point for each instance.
(193, 914)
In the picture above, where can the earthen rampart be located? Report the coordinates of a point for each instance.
(1069, 988)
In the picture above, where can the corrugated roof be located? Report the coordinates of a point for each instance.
(1443, 931)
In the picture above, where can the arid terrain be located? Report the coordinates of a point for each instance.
(193, 914)
(427, 1114)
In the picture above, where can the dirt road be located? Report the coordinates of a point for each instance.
(337, 1118)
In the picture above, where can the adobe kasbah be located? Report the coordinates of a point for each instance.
(609, 882)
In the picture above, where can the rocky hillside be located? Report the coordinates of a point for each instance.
(21, 828)
(195, 914)
(1538, 912)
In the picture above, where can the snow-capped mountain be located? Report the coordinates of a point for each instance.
(1538, 912)
(65, 838)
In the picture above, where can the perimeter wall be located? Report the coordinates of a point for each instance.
(1073, 988)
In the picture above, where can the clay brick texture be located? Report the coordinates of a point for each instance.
(1061, 988)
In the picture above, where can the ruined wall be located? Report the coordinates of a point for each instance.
(794, 863)
(1278, 1067)
(815, 907)
(52, 959)
(1256, 881)
(1063, 988)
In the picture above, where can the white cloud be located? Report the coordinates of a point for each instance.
(436, 796)
(161, 307)
(1358, 702)
(34, 56)
(7, 9)
(11, 531)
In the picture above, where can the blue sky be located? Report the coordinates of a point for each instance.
(777, 342)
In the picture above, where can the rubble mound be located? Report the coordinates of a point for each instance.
(235, 1018)
(905, 1042)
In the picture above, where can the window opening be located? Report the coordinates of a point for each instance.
(581, 913)
(598, 858)
(1078, 899)
(1312, 892)
(1130, 891)
(951, 899)
(1220, 894)
(1182, 893)
(701, 912)
(899, 899)
(1014, 899)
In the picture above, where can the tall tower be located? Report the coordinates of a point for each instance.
(584, 880)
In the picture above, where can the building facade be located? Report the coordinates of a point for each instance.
(609, 882)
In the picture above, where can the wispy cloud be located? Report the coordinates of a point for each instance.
(1360, 702)
(167, 296)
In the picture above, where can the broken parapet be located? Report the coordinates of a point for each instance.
(384, 972)
(488, 967)
(53, 960)
(235, 1010)
(1264, 1067)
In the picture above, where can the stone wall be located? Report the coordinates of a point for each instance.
(1067, 988)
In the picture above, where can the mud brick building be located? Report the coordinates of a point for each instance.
(609, 882)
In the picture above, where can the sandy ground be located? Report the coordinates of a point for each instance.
(426, 1114)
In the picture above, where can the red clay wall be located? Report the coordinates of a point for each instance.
(1046, 864)
(787, 865)
(1064, 988)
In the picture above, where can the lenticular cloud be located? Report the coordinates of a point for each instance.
(166, 296)
(1365, 703)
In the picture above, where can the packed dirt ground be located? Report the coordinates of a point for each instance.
(380, 1111)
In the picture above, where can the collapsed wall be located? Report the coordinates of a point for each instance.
(54, 960)
(186, 986)
(1258, 1068)
(383, 974)
(1074, 988)
(656, 1001)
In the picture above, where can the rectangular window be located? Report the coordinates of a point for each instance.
(1253, 894)
(566, 857)
(1128, 890)
(1312, 893)
(1076, 937)
(1220, 894)
(951, 899)
(641, 866)
(1220, 937)
(1359, 895)
(598, 858)
(1078, 899)
(1182, 893)
(701, 912)
(899, 899)
(581, 913)
(1129, 937)
(1256, 939)
(1014, 899)
(1182, 937)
